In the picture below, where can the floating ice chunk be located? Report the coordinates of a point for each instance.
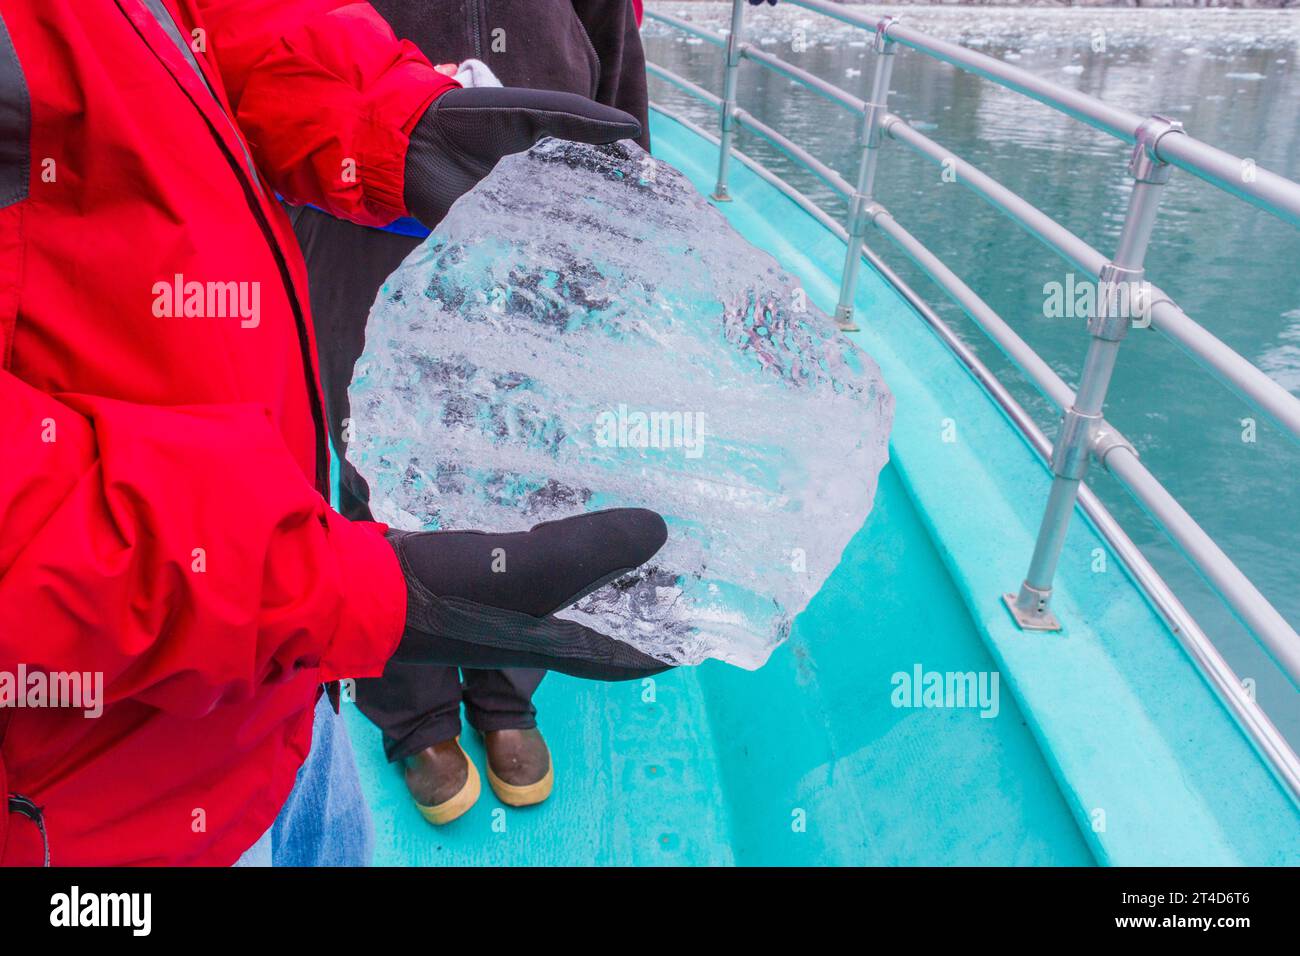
(585, 331)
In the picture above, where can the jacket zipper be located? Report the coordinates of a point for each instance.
(300, 319)
(476, 16)
(595, 80)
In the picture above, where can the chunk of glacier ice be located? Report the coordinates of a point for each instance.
(585, 331)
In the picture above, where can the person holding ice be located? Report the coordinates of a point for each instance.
(163, 511)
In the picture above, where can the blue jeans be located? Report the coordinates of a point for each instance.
(325, 820)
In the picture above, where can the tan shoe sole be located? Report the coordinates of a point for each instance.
(458, 805)
(514, 795)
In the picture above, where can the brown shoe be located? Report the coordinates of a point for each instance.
(519, 766)
(443, 781)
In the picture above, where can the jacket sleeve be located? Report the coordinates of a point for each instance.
(613, 28)
(327, 97)
(130, 547)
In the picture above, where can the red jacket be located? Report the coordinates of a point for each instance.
(161, 472)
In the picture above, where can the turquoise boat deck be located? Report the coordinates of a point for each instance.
(1106, 747)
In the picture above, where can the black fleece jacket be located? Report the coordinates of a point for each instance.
(591, 47)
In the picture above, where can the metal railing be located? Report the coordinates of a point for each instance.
(1159, 145)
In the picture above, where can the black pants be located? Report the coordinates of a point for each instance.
(416, 706)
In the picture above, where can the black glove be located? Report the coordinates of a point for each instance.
(463, 134)
(483, 600)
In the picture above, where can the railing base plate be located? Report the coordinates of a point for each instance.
(1030, 622)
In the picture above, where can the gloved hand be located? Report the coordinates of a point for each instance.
(484, 600)
(465, 131)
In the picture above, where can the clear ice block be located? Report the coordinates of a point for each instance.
(585, 331)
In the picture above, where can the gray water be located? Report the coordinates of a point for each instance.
(1233, 78)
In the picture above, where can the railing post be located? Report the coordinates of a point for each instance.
(727, 117)
(869, 137)
(1118, 286)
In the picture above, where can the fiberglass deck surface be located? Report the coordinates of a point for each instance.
(805, 761)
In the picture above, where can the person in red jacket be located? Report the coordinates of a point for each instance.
(164, 533)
